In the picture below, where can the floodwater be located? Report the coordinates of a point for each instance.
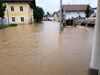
(41, 49)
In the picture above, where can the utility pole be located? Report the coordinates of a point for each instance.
(95, 58)
(61, 23)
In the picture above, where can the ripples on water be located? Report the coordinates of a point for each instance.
(40, 49)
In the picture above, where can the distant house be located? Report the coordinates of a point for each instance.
(74, 11)
(55, 16)
(18, 11)
(93, 15)
(95, 10)
(48, 17)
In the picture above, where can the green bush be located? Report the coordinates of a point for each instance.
(12, 24)
(2, 26)
(5, 26)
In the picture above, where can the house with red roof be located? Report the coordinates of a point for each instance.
(74, 11)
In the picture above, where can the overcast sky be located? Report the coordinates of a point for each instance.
(53, 5)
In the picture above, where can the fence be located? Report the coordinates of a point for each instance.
(3, 21)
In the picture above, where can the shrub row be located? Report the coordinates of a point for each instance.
(9, 25)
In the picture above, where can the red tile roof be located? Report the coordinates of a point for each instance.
(73, 8)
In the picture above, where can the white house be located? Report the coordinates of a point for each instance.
(95, 10)
(74, 11)
(55, 16)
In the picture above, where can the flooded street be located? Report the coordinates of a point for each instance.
(41, 49)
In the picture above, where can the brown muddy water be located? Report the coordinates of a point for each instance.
(41, 49)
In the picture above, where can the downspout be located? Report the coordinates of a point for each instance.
(7, 13)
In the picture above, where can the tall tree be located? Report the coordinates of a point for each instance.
(2, 11)
(38, 14)
(88, 11)
(32, 4)
(48, 14)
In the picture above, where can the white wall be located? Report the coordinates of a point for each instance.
(95, 11)
(73, 14)
(95, 58)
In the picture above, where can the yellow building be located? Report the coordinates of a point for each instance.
(18, 11)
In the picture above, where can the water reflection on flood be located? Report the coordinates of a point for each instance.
(40, 49)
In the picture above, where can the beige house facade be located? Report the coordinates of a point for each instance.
(18, 11)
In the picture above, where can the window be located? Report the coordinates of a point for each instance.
(22, 19)
(12, 8)
(13, 19)
(21, 8)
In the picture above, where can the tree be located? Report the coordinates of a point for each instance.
(32, 4)
(2, 11)
(88, 11)
(38, 14)
(48, 14)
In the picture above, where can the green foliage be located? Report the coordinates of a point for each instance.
(38, 14)
(32, 4)
(12, 24)
(2, 9)
(5, 26)
(88, 11)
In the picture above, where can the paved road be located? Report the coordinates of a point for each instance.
(41, 49)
